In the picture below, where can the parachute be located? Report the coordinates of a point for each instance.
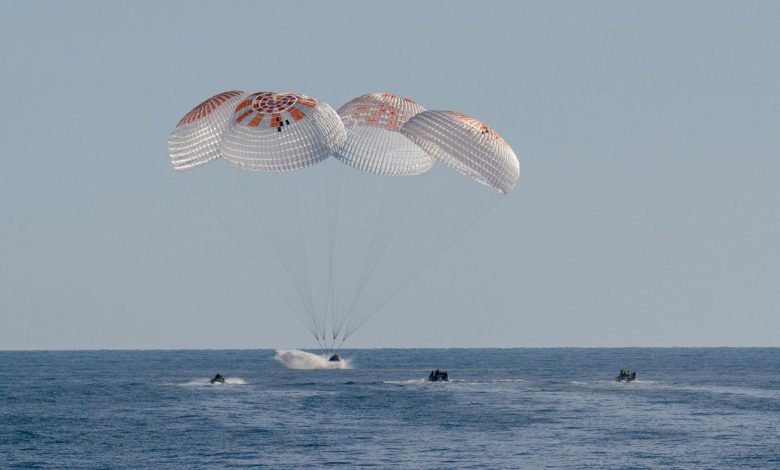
(281, 132)
(374, 143)
(338, 239)
(197, 137)
(467, 146)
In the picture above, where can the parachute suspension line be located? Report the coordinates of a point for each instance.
(333, 214)
(329, 290)
(255, 263)
(414, 276)
(311, 325)
(368, 263)
(338, 349)
(306, 265)
(394, 227)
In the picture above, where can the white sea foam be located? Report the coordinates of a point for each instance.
(493, 381)
(454, 381)
(611, 383)
(297, 359)
(204, 382)
(405, 382)
(729, 390)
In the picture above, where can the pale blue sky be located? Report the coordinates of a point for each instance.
(647, 211)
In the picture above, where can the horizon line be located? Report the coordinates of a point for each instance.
(379, 349)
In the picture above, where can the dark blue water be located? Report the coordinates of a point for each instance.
(518, 408)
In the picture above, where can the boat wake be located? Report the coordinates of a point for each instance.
(453, 381)
(406, 382)
(205, 382)
(297, 359)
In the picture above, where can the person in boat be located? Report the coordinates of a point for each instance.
(627, 375)
(335, 358)
(218, 379)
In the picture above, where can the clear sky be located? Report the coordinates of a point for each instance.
(647, 211)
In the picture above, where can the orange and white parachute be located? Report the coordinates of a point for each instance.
(378, 133)
(198, 135)
(262, 131)
(374, 143)
(467, 146)
(281, 132)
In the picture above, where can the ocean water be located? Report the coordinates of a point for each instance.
(505, 408)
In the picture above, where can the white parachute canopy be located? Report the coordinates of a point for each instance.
(197, 137)
(467, 146)
(281, 132)
(373, 142)
(337, 245)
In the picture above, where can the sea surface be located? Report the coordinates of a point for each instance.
(504, 408)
